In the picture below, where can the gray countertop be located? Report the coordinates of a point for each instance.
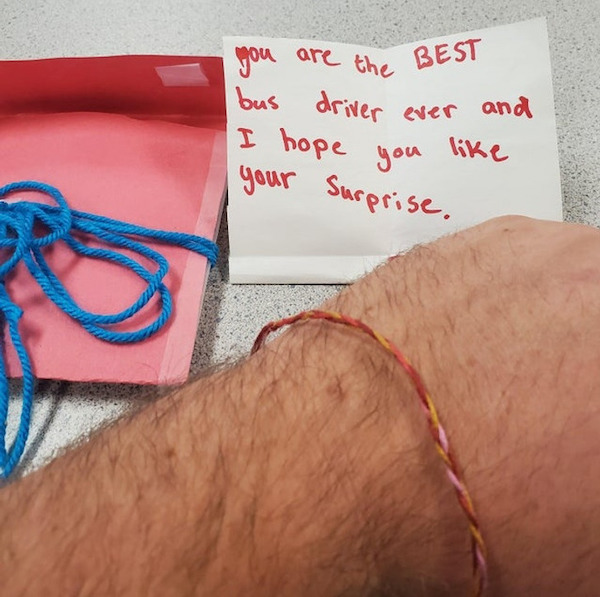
(232, 315)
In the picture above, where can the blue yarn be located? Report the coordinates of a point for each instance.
(20, 236)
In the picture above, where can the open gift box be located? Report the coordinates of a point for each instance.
(135, 138)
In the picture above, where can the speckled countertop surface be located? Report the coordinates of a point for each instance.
(232, 314)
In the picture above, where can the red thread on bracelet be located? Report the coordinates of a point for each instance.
(433, 421)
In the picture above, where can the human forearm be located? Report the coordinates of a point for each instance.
(308, 469)
(291, 474)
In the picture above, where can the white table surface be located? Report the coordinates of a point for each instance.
(232, 315)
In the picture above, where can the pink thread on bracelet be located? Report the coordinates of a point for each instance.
(436, 429)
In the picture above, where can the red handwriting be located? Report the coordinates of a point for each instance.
(319, 145)
(365, 65)
(265, 178)
(344, 107)
(426, 57)
(246, 134)
(248, 56)
(246, 103)
(378, 202)
(423, 112)
(469, 149)
(385, 165)
(521, 108)
(315, 55)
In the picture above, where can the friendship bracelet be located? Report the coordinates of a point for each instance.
(436, 429)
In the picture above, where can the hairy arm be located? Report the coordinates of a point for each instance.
(290, 474)
(307, 469)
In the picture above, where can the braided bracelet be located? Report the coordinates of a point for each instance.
(433, 421)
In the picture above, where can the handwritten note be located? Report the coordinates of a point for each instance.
(341, 155)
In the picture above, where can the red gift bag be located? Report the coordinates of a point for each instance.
(136, 138)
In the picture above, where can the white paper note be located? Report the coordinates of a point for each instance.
(342, 155)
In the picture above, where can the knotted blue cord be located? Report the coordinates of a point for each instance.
(27, 227)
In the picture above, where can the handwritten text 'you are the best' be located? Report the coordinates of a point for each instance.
(384, 157)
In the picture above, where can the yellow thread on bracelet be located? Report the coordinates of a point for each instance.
(435, 427)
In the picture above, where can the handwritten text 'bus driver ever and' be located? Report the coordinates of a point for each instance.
(426, 57)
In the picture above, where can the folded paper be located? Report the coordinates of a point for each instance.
(341, 155)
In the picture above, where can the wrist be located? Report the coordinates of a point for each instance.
(345, 487)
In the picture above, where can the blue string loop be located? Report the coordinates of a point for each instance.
(26, 227)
